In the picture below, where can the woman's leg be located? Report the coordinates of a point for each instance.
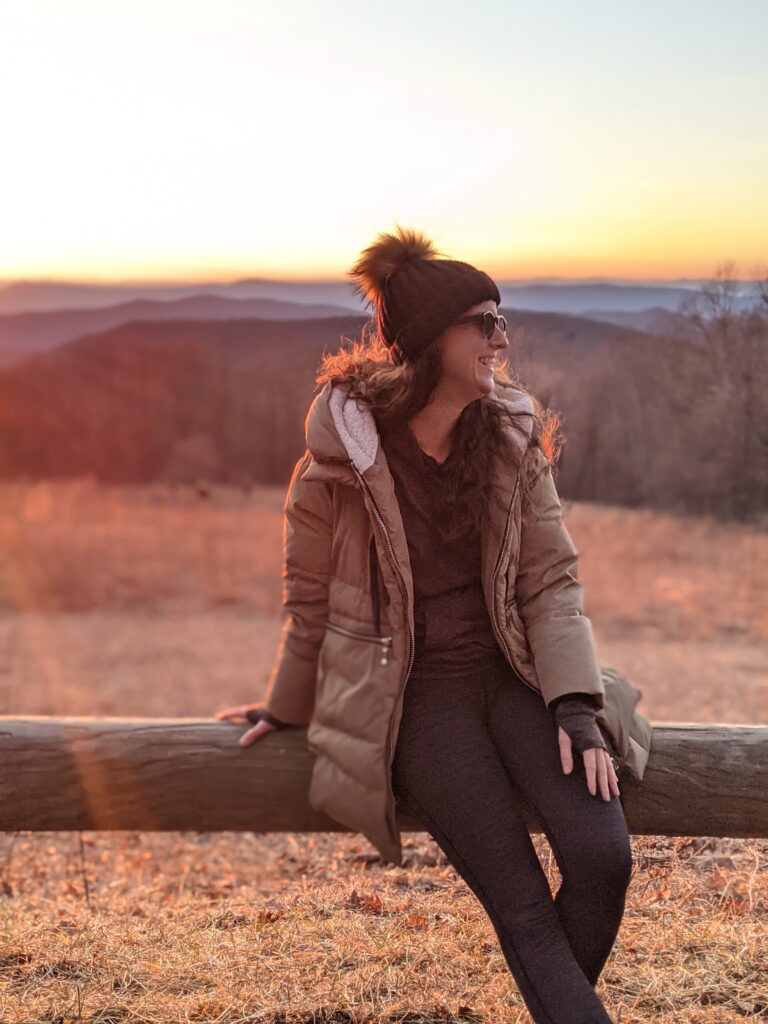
(588, 835)
(447, 774)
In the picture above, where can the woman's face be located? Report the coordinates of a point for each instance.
(465, 355)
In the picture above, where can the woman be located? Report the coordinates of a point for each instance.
(424, 544)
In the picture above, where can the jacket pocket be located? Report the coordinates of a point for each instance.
(384, 642)
(350, 698)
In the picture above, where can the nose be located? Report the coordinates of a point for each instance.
(499, 338)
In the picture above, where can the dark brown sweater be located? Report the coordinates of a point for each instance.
(454, 635)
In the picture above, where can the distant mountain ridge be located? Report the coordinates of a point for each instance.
(23, 334)
(559, 297)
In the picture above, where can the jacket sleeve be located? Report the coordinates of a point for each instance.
(549, 595)
(307, 538)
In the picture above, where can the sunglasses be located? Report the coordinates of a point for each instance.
(487, 321)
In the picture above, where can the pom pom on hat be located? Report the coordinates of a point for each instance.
(416, 291)
(384, 257)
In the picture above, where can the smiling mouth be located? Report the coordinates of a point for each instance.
(490, 362)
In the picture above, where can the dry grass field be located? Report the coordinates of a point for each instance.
(160, 601)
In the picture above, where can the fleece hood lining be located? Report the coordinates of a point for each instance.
(356, 428)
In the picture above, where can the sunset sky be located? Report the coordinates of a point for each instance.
(208, 140)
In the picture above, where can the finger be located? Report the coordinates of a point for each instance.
(230, 714)
(566, 750)
(613, 778)
(602, 772)
(589, 768)
(254, 732)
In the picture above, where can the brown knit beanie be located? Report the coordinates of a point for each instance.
(416, 292)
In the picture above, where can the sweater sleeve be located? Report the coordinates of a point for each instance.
(576, 714)
(258, 713)
(587, 699)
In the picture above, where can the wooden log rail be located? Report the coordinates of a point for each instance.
(191, 774)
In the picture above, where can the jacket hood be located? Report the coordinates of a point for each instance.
(338, 428)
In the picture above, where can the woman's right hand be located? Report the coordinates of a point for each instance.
(240, 713)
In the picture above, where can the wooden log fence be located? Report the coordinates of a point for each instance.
(190, 774)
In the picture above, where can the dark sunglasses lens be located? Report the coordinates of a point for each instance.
(489, 324)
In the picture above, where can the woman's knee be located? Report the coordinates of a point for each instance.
(600, 860)
(619, 862)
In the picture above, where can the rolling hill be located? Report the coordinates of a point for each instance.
(25, 334)
(647, 422)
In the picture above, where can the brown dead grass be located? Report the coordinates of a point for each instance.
(657, 576)
(81, 546)
(242, 927)
(154, 601)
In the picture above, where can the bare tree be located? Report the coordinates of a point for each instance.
(760, 289)
(736, 342)
(721, 293)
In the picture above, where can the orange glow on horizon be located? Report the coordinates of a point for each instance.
(635, 270)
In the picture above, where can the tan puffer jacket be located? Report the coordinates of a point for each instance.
(348, 636)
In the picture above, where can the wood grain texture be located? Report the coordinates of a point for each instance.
(190, 774)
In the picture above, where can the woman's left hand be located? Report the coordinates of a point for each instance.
(598, 766)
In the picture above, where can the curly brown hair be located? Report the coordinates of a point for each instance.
(395, 391)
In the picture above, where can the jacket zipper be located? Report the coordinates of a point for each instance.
(494, 618)
(384, 641)
(411, 638)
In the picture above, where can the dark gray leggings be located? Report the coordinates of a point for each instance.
(463, 749)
